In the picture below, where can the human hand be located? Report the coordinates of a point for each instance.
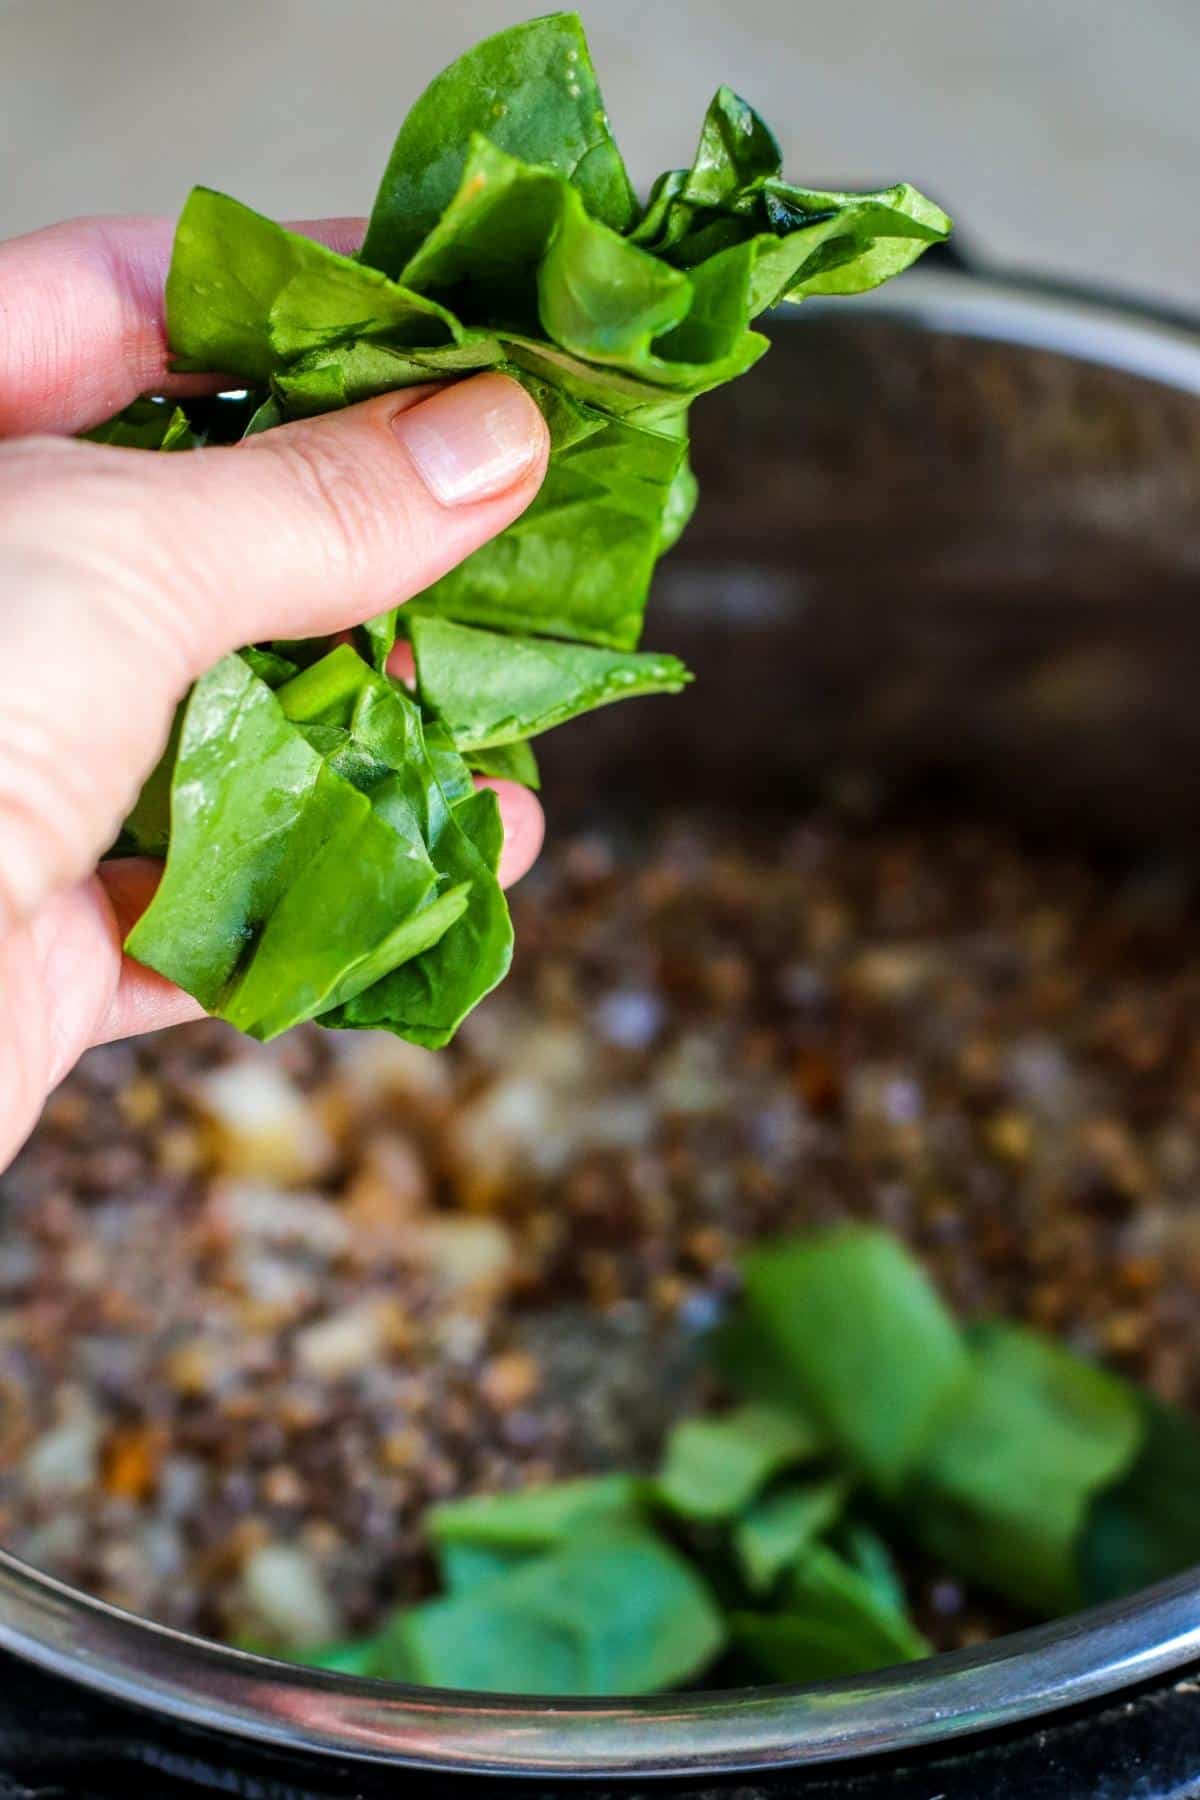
(124, 575)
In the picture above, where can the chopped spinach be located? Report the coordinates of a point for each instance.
(759, 1542)
(855, 1324)
(537, 1518)
(715, 1467)
(276, 794)
(318, 866)
(1004, 1489)
(507, 762)
(1146, 1525)
(490, 691)
(147, 424)
(613, 1611)
(833, 1621)
(773, 1532)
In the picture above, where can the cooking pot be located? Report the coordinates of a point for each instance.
(948, 552)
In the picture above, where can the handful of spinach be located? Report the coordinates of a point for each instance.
(327, 854)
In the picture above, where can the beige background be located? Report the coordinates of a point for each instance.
(1063, 133)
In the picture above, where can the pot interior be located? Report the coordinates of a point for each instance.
(940, 590)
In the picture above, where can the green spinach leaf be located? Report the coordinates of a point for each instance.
(370, 731)
(1146, 1525)
(147, 424)
(614, 1612)
(1004, 1489)
(714, 1467)
(833, 1623)
(854, 1322)
(507, 762)
(531, 90)
(784, 1523)
(488, 691)
(577, 563)
(537, 1518)
(246, 296)
(253, 914)
(863, 1548)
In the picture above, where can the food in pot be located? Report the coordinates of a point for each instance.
(267, 1307)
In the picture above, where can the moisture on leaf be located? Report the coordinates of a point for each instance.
(490, 691)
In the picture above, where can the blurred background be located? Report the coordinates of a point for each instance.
(1063, 134)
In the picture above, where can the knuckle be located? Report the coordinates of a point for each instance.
(333, 493)
(349, 506)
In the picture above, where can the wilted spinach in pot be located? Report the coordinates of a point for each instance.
(327, 854)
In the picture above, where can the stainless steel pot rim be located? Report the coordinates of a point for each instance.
(1072, 1661)
(1068, 1663)
(1086, 327)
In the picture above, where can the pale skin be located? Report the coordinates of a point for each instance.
(123, 576)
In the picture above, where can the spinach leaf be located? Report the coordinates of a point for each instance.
(532, 90)
(617, 1612)
(426, 997)
(868, 239)
(507, 762)
(537, 1518)
(714, 1467)
(834, 1623)
(253, 915)
(798, 241)
(783, 1524)
(147, 424)
(244, 295)
(1146, 1525)
(343, 374)
(737, 152)
(577, 563)
(1005, 1487)
(716, 201)
(505, 235)
(269, 665)
(490, 691)
(372, 732)
(464, 1566)
(852, 1320)
(863, 1548)
(147, 829)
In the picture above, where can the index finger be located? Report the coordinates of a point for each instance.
(81, 319)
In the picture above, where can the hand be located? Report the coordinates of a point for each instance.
(124, 575)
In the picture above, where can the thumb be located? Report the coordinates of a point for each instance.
(131, 574)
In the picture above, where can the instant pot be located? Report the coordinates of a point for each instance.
(948, 554)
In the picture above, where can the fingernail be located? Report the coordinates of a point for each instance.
(472, 441)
